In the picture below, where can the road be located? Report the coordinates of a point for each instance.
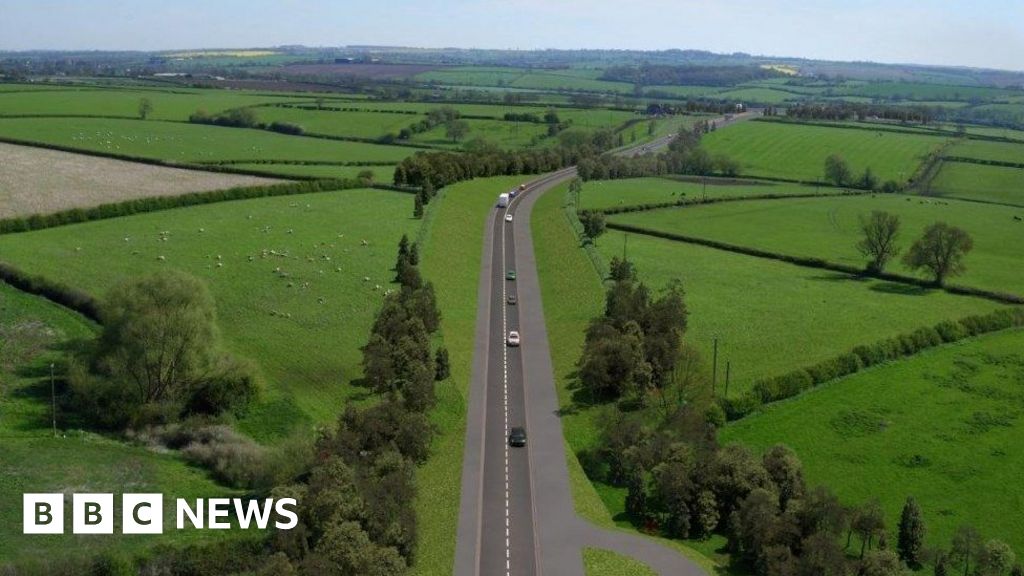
(516, 513)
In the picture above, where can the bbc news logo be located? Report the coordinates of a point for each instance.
(144, 513)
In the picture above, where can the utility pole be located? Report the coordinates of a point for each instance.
(714, 369)
(53, 401)
(728, 365)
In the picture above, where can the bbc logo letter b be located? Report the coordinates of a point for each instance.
(92, 514)
(43, 513)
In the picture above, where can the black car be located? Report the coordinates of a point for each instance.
(512, 300)
(517, 437)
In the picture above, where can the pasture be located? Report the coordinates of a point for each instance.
(34, 333)
(607, 194)
(943, 426)
(771, 317)
(183, 142)
(829, 228)
(38, 181)
(798, 152)
(979, 182)
(332, 123)
(381, 174)
(296, 280)
(987, 150)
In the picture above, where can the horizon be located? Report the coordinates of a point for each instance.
(982, 35)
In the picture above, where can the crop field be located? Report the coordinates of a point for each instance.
(943, 426)
(758, 95)
(921, 91)
(295, 285)
(685, 91)
(355, 124)
(778, 150)
(167, 105)
(771, 317)
(980, 182)
(37, 180)
(32, 333)
(605, 194)
(189, 142)
(829, 228)
(987, 150)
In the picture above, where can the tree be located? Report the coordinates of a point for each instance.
(456, 130)
(966, 546)
(910, 541)
(837, 171)
(868, 522)
(621, 270)
(881, 563)
(417, 206)
(996, 558)
(365, 177)
(879, 243)
(593, 223)
(636, 497)
(822, 557)
(940, 251)
(705, 515)
(441, 364)
(786, 472)
(145, 108)
(868, 180)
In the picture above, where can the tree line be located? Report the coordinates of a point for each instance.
(684, 155)
(687, 75)
(243, 118)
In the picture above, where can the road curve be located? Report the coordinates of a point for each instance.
(516, 514)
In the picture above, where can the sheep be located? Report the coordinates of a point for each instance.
(376, 287)
(161, 258)
(220, 264)
(1018, 218)
(219, 257)
(126, 239)
(252, 258)
(364, 242)
(366, 278)
(321, 300)
(201, 230)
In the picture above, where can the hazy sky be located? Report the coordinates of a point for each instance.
(986, 33)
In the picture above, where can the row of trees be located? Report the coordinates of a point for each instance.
(243, 118)
(838, 110)
(686, 75)
(838, 173)
(480, 159)
(683, 156)
(940, 251)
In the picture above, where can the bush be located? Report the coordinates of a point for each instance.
(736, 408)
(232, 388)
(784, 386)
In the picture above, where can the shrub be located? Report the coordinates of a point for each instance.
(736, 408)
(784, 386)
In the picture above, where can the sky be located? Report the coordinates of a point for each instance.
(980, 33)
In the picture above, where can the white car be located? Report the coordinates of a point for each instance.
(508, 217)
(513, 338)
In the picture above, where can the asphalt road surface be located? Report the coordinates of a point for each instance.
(516, 513)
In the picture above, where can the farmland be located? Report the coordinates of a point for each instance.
(36, 180)
(605, 194)
(33, 333)
(188, 142)
(287, 274)
(829, 228)
(942, 427)
(980, 182)
(798, 152)
(985, 150)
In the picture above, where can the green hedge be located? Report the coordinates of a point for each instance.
(62, 294)
(696, 201)
(967, 160)
(767, 390)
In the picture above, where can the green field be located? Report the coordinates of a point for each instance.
(504, 134)
(922, 91)
(381, 174)
(986, 150)
(771, 317)
(943, 426)
(599, 562)
(605, 194)
(574, 79)
(167, 105)
(829, 228)
(303, 330)
(758, 95)
(331, 123)
(792, 151)
(980, 182)
(33, 333)
(189, 142)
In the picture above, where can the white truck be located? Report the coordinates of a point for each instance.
(503, 200)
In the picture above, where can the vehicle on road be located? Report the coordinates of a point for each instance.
(513, 338)
(517, 436)
(522, 187)
(508, 217)
(510, 275)
(512, 300)
(503, 200)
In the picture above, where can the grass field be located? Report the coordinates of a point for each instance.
(758, 95)
(922, 91)
(599, 562)
(167, 105)
(605, 194)
(332, 123)
(980, 182)
(504, 134)
(451, 260)
(829, 228)
(189, 142)
(771, 317)
(798, 152)
(37, 180)
(986, 150)
(33, 333)
(944, 427)
(576, 79)
(304, 330)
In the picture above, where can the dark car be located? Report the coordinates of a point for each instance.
(512, 300)
(510, 275)
(517, 437)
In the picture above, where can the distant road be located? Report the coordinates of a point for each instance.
(516, 513)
